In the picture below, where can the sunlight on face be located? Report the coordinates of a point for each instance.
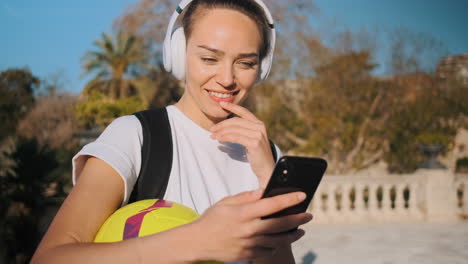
(222, 61)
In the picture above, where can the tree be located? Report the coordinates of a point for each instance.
(98, 110)
(411, 52)
(35, 154)
(162, 88)
(340, 114)
(17, 88)
(114, 63)
(348, 110)
(324, 97)
(52, 122)
(7, 163)
(148, 20)
(433, 112)
(36, 184)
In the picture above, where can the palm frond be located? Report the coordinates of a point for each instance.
(113, 63)
(108, 44)
(129, 45)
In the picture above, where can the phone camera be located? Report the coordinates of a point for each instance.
(284, 175)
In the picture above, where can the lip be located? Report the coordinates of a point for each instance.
(229, 99)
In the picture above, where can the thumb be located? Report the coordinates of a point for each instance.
(244, 197)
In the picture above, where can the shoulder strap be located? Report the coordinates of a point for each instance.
(273, 150)
(156, 155)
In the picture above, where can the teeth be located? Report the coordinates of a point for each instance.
(221, 95)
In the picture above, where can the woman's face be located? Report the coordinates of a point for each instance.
(222, 60)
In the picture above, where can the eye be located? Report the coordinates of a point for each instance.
(248, 64)
(208, 59)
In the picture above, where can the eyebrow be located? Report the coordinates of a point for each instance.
(219, 52)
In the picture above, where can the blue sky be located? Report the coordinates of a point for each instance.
(51, 36)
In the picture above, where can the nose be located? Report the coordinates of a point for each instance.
(225, 75)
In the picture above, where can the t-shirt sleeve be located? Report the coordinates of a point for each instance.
(279, 154)
(119, 145)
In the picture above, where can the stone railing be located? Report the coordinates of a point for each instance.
(461, 188)
(427, 195)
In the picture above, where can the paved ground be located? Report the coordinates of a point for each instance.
(415, 243)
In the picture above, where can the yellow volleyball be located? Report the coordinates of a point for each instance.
(144, 218)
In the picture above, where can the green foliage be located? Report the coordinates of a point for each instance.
(277, 115)
(7, 163)
(100, 110)
(462, 165)
(431, 118)
(114, 65)
(121, 68)
(342, 111)
(17, 87)
(158, 88)
(355, 119)
(437, 138)
(51, 121)
(30, 195)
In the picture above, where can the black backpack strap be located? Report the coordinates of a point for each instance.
(156, 155)
(273, 150)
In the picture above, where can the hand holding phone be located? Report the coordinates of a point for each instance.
(295, 174)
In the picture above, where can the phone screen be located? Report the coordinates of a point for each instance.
(292, 174)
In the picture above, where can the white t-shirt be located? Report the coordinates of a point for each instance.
(204, 170)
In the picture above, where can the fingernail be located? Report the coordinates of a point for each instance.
(223, 103)
(301, 232)
(301, 196)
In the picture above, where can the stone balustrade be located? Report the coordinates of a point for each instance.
(461, 187)
(426, 195)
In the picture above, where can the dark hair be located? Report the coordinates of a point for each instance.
(247, 7)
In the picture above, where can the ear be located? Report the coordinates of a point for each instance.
(178, 50)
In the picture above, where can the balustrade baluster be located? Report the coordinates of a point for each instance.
(316, 207)
(465, 198)
(413, 201)
(346, 213)
(373, 203)
(359, 207)
(332, 200)
(386, 202)
(399, 197)
(359, 198)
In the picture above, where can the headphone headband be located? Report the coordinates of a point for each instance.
(174, 49)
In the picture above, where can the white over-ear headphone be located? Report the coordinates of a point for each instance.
(174, 45)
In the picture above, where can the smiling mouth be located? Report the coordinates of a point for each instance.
(222, 97)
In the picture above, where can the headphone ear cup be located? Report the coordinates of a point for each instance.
(167, 54)
(178, 51)
(265, 67)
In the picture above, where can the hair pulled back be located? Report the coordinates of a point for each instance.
(249, 8)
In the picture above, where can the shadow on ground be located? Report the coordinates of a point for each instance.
(309, 258)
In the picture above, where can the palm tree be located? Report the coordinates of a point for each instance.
(114, 63)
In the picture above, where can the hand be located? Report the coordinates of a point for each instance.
(247, 130)
(232, 229)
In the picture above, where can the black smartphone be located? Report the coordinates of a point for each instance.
(293, 174)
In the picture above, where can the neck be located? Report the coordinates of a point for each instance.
(194, 113)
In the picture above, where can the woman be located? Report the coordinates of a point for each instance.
(220, 165)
